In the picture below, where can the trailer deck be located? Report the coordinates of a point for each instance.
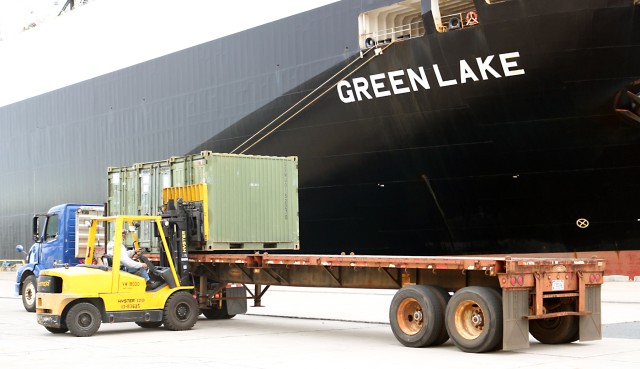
(545, 291)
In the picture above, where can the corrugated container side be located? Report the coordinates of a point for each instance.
(137, 190)
(253, 200)
(152, 178)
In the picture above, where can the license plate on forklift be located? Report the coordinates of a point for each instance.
(557, 285)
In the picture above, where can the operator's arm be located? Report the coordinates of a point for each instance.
(126, 260)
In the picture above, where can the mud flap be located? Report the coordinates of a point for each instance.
(239, 305)
(591, 325)
(515, 307)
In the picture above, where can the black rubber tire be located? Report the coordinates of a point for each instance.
(216, 314)
(444, 300)
(369, 42)
(416, 316)
(474, 319)
(83, 319)
(181, 311)
(29, 289)
(149, 324)
(498, 293)
(57, 330)
(454, 23)
(554, 331)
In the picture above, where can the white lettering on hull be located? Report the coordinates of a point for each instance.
(399, 82)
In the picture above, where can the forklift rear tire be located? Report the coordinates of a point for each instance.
(57, 330)
(149, 324)
(83, 319)
(29, 293)
(180, 312)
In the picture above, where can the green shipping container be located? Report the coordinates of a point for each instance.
(252, 200)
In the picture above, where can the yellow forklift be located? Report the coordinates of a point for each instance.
(79, 298)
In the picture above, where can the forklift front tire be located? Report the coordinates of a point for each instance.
(181, 311)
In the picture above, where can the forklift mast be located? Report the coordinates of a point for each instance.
(183, 224)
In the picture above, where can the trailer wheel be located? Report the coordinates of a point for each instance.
(180, 312)
(83, 319)
(474, 319)
(57, 330)
(149, 324)
(553, 331)
(444, 300)
(216, 314)
(29, 293)
(417, 316)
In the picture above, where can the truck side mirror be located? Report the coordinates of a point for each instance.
(36, 229)
(19, 249)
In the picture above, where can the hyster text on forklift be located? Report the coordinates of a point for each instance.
(480, 303)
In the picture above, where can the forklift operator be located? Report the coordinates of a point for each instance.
(126, 261)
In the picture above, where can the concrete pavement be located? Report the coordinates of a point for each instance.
(345, 329)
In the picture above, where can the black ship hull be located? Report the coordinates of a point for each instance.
(498, 165)
(516, 135)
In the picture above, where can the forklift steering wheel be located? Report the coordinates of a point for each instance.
(150, 266)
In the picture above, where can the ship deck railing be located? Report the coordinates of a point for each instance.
(398, 33)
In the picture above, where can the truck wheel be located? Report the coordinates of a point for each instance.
(417, 316)
(57, 330)
(83, 319)
(29, 293)
(474, 319)
(149, 324)
(180, 312)
(553, 331)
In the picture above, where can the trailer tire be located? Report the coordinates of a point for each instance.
(180, 311)
(444, 300)
(149, 324)
(57, 330)
(216, 314)
(28, 292)
(474, 319)
(416, 316)
(554, 331)
(83, 319)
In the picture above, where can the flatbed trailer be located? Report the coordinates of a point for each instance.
(481, 303)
